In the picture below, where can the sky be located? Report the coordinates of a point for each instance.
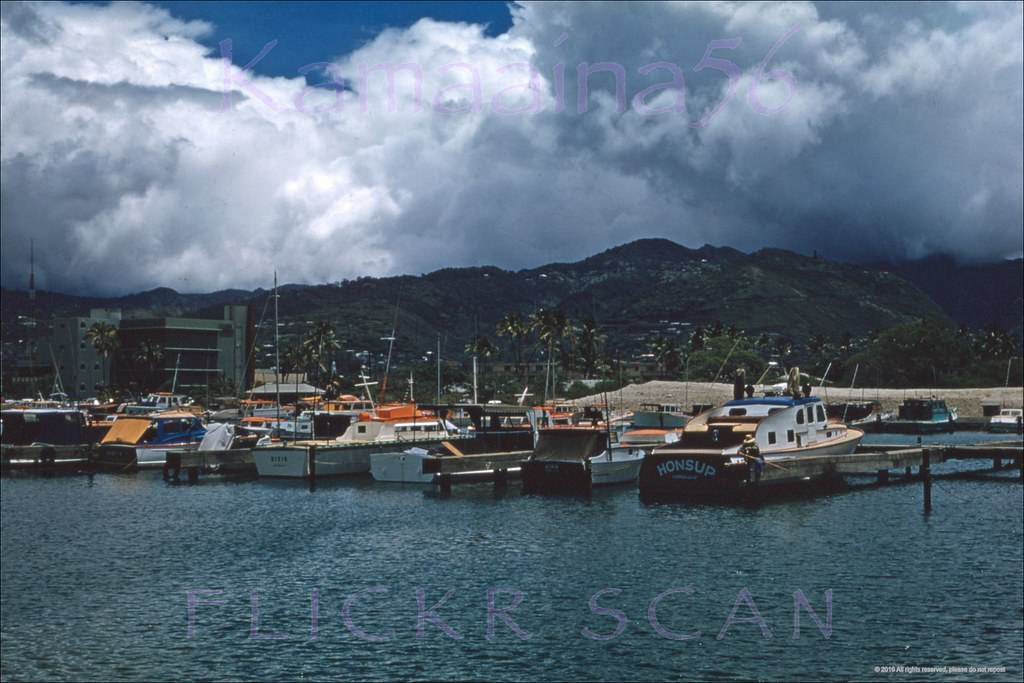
(204, 146)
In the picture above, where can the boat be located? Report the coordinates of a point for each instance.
(389, 427)
(44, 440)
(225, 449)
(494, 428)
(616, 465)
(157, 402)
(917, 416)
(659, 416)
(1008, 420)
(573, 460)
(707, 461)
(143, 441)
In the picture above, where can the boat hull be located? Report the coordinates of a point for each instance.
(45, 459)
(400, 467)
(622, 468)
(330, 459)
(556, 477)
(692, 473)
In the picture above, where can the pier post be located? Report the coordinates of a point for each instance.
(311, 454)
(883, 476)
(926, 478)
(172, 466)
(997, 463)
(193, 475)
(910, 471)
(500, 479)
(446, 484)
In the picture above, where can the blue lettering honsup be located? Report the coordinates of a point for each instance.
(687, 467)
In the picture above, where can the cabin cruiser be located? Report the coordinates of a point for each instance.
(390, 426)
(44, 439)
(708, 460)
(143, 441)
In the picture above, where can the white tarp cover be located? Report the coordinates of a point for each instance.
(218, 437)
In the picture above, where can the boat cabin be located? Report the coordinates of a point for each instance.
(158, 402)
(158, 429)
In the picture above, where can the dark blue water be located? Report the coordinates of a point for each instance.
(97, 573)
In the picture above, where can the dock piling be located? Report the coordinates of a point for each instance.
(926, 478)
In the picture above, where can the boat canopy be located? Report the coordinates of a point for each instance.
(127, 430)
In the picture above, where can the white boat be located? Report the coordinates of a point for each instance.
(1008, 420)
(616, 465)
(350, 453)
(707, 459)
(157, 402)
(404, 467)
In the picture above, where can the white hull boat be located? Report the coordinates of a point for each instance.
(620, 467)
(405, 467)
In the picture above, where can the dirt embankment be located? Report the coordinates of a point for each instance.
(966, 401)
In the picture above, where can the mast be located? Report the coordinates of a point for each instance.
(174, 380)
(439, 369)
(277, 353)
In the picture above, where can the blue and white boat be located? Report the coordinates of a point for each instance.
(707, 460)
(143, 441)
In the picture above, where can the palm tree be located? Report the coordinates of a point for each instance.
(149, 354)
(320, 344)
(550, 325)
(588, 345)
(480, 346)
(513, 327)
(104, 339)
(666, 352)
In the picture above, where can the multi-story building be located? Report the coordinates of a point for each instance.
(81, 369)
(194, 353)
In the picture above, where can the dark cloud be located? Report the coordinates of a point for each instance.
(123, 158)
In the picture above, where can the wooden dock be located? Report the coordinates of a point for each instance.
(231, 461)
(497, 467)
(877, 460)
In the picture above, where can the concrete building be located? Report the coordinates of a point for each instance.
(195, 352)
(82, 370)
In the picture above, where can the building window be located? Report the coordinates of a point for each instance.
(82, 366)
(95, 366)
(81, 345)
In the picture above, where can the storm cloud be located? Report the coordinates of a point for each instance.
(134, 156)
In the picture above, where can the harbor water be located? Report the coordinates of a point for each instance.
(128, 577)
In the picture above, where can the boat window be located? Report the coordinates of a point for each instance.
(821, 413)
(800, 417)
(810, 414)
(789, 435)
(737, 411)
(771, 437)
(361, 429)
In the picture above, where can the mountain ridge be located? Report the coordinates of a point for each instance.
(632, 291)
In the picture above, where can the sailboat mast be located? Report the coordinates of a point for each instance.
(277, 353)
(439, 369)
